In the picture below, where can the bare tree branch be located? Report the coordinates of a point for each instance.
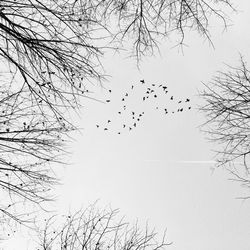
(227, 110)
(30, 140)
(96, 229)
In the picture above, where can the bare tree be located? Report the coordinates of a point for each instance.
(96, 229)
(30, 140)
(227, 109)
(54, 47)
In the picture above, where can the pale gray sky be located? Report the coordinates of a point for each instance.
(157, 170)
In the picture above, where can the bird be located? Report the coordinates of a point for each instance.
(142, 81)
(187, 100)
(171, 98)
(109, 121)
(110, 91)
(107, 100)
(105, 129)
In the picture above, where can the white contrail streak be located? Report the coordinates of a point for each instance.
(197, 162)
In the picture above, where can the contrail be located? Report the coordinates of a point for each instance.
(202, 162)
(197, 162)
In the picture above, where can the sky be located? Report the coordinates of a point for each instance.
(162, 170)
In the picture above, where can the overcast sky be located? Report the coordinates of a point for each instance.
(161, 171)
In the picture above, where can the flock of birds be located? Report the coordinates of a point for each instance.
(149, 92)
